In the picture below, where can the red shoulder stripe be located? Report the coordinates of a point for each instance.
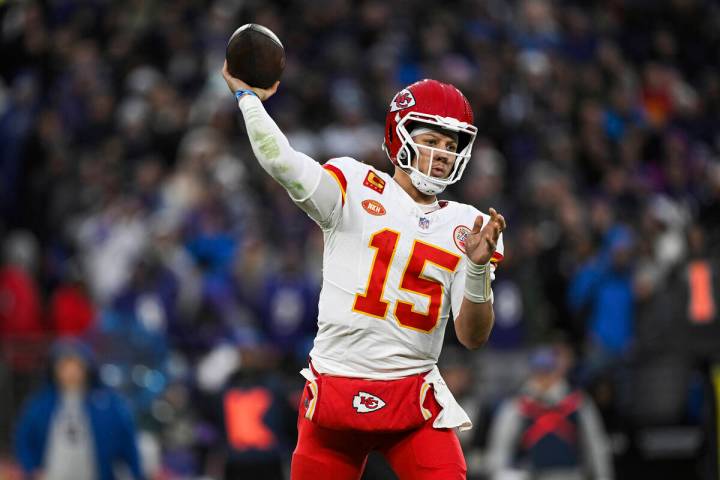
(339, 177)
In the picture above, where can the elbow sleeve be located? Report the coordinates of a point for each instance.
(299, 174)
(295, 171)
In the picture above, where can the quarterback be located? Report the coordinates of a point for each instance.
(396, 261)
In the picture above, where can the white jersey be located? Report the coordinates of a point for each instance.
(391, 274)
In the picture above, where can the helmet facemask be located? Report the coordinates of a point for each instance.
(409, 151)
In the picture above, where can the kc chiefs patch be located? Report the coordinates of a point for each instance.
(460, 236)
(365, 402)
(374, 182)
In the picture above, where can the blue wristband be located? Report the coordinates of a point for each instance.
(241, 93)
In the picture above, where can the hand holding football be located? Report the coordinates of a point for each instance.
(235, 84)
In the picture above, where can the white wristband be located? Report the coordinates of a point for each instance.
(477, 282)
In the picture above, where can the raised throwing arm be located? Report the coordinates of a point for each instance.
(308, 184)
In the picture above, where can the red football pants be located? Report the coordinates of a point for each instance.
(422, 454)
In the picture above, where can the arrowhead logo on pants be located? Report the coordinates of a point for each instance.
(365, 402)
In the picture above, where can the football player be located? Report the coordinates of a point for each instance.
(396, 261)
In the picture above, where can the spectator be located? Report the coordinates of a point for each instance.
(549, 431)
(696, 309)
(702, 293)
(256, 417)
(20, 301)
(74, 428)
(71, 310)
(150, 296)
(288, 306)
(603, 286)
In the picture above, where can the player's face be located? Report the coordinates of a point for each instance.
(441, 153)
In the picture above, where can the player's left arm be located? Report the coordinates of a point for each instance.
(474, 321)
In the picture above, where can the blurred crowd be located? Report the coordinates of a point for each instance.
(135, 217)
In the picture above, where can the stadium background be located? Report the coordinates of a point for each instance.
(135, 216)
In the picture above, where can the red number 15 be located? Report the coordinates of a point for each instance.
(372, 302)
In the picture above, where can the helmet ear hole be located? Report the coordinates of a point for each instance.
(405, 154)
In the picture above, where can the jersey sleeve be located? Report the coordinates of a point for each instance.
(325, 201)
(333, 188)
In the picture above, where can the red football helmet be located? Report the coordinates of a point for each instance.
(436, 105)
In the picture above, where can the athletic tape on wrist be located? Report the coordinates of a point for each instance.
(477, 282)
(241, 93)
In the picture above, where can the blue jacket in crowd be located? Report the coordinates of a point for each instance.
(111, 424)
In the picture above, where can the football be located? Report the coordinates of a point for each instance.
(255, 55)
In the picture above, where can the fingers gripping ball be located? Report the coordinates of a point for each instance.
(255, 55)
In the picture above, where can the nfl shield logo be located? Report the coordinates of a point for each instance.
(424, 223)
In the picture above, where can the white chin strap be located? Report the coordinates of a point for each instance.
(424, 183)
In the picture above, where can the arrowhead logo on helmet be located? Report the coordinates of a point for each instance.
(404, 99)
(436, 105)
